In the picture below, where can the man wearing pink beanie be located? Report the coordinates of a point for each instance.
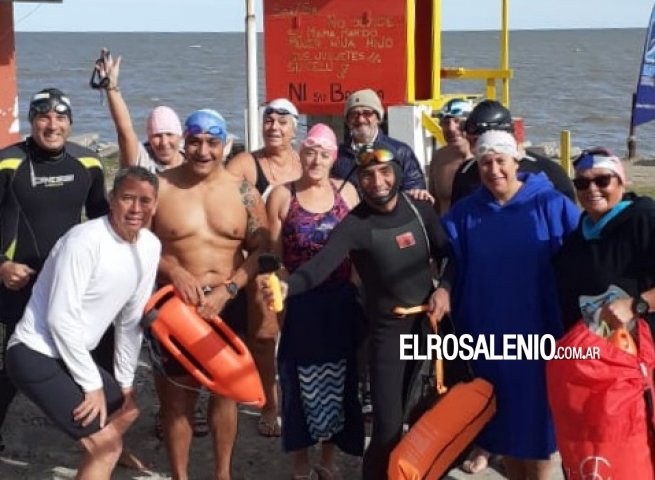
(162, 150)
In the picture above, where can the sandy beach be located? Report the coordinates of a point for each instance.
(36, 450)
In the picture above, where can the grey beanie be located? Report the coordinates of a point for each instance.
(364, 98)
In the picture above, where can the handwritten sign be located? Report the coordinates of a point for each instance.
(319, 52)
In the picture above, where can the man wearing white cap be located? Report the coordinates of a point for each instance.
(447, 159)
(162, 150)
(363, 114)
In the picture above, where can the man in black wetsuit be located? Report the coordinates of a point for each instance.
(45, 183)
(492, 115)
(390, 239)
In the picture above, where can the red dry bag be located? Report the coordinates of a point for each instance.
(603, 407)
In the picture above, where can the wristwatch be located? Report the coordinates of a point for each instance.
(640, 306)
(232, 288)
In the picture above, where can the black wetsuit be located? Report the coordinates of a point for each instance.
(42, 195)
(391, 256)
(467, 177)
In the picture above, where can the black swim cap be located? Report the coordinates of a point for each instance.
(489, 115)
(50, 99)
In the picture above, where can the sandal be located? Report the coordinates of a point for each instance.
(476, 462)
(269, 427)
(325, 473)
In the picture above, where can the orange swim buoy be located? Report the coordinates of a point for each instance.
(208, 349)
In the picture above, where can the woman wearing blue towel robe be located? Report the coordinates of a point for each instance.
(504, 236)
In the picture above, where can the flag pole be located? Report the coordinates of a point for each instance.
(632, 138)
(251, 72)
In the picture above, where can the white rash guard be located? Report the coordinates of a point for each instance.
(91, 278)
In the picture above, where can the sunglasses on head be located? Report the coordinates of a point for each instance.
(279, 111)
(368, 155)
(353, 114)
(601, 181)
(214, 131)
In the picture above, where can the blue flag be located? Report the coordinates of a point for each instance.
(644, 105)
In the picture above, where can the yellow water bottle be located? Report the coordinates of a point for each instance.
(274, 285)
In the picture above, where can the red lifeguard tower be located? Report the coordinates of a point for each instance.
(9, 132)
(319, 51)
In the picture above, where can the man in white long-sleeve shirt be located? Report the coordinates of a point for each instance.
(98, 273)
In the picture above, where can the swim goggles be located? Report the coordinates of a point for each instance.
(369, 154)
(279, 111)
(43, 103)
(213, 130)
(456, 108)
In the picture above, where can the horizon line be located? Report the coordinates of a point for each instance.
(261, 31)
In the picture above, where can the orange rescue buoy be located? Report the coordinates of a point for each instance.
(208, 349)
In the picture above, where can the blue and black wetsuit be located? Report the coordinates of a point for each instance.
(42, 195)
(391, 256)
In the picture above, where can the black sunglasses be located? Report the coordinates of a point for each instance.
(601, 181)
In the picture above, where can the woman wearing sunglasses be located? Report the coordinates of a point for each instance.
(614, 243)
(275, 164)
(503, 237)
(316, 354)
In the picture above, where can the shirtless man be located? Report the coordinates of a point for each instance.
(448, 158)
(208, 216)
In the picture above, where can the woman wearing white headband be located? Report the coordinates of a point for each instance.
(503, 237)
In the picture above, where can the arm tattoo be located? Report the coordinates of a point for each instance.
(249, 200)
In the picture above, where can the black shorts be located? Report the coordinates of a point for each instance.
(234, 315)
(48, 384)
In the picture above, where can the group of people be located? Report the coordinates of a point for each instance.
(511, 254)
